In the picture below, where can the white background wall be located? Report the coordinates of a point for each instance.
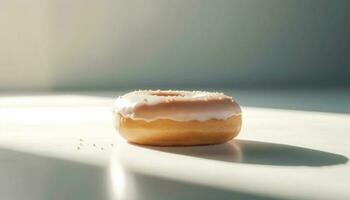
(90, 44)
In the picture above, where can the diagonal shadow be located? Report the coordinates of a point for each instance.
(261, 153)
(34, 177)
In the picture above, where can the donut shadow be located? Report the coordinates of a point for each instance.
(259, 153)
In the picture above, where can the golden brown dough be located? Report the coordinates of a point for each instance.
(170, 118)
(165, 132)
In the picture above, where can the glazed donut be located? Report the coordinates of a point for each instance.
(171, 118)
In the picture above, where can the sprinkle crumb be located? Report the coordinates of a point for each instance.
(81, 140)
(78, 148)
(102, 148)
(94, 145)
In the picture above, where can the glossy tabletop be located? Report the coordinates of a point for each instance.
(294, 145)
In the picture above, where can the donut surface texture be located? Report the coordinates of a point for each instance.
(168, 118)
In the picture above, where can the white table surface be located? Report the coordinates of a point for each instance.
(294, 144)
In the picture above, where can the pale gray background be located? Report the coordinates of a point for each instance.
(105, 44)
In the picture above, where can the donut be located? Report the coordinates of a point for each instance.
(176, 118)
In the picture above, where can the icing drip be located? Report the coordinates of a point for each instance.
(151, 105)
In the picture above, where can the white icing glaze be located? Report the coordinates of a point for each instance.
(127, 105)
